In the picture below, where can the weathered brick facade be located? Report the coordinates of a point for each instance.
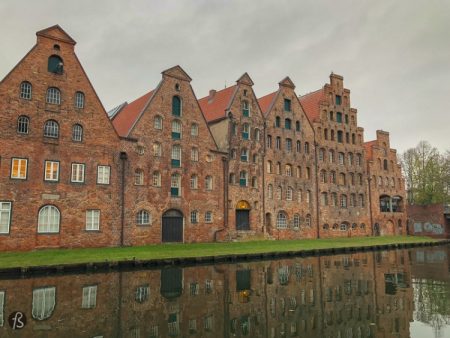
(170, 168)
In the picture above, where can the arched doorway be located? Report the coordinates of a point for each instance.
(172, 226)
(171, 283)
(243, 215)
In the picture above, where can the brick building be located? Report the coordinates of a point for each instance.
(167, 167)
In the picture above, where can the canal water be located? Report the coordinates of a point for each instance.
(398, 293)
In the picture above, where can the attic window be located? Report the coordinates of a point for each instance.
(245, 92)
(55, 64)
(56, 47)
(177, 87)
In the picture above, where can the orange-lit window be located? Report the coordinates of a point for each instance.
(19, 168)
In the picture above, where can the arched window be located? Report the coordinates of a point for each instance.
(343, 201)
(254, 182)
(279, 193)
(77, 133)
(341, 158)
(308, 197)
(326, 226)
(175, 185)
(245, 109)
(323, 176)
(288, 170)
(143, 218)
(79, 100)
(243, 178)
(277, 121)
(51, 129)
(157, 122)
(43, 304)
(300, 195)
(176, 106)
(208, 183)
(352, 178)
(352, 200)
(361, 200)
(281, 220)
(333, 177)
(23, 124)
(321, 154)
(257, 134)
(255, 158)
(269, 141)
(333, 199)
(289, 194)
(270, 191)
(156, 179)
(194, 129)
(176, 156)
(308, 220)
(245, 131)
(26, 90)
(138, 177)
(55, 65)
(339, 117)
(288, 145)
(296, 221)
(297, 125)
(157, 149)
(325, 134)
(353, 139)
(176, 129)
(350, 158)
(306, 148)
(331, 156)
(194, 182)
(385, 164)
(49, 218)
(194, 154)
(342, 180)
(358, 159)
(53, 96)
(299, 147)
(232, 178)
(278, 168)
(194, 216)
(269, 167)
(298, 172)
(324, 199)
(332, 135)
(287, 124)
(244, 155)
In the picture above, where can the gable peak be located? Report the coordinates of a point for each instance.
(56, 33)
(245, 79)
(287, 82)
(178, 73)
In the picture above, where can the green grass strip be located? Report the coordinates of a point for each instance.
(47, 257)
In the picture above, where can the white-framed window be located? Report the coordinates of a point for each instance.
(308, 196)
(23, 124)
(296, 221)
(279, 193)
(175, 185)
(209, 322)
(19, 168)
(281, 220)
(53, 96)
(2, 308)
(157, 149)
(288, 170)
(77, 175)
(289, 193)
(51, 171)
(308, 220)
(142, 293)
(176, 129)
(176, 156)
(51, 129)
(343, 227)
(26, 90)
(194, 129)
(244, 155)
(49, 219)
(194, 182)
(208, 183)
(43, 304)
(93, 220)
(194, 216)
(89, 300)
(139, 177)
(156, 179)
(77, 133)
(79, 100)
(103, 174)
(194, 289)
(343, 201)
(194, 154)
(341, 158)
(270, 191)
(209, 285)
(192, 325)
(158, 122)
(208, 217)
(5, 217)
(143, 217)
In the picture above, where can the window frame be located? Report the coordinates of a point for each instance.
(77, 132)
(79, 100)
(103, 181)
(53, 96)
(23, 122)
(93, 220)
(76, 170)
(143, 218)
(48, 229)
(19, 177)
(26, 93)
(3, 210)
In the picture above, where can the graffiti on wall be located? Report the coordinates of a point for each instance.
(435, 229)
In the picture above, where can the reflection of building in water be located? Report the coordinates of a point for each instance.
(359, 295)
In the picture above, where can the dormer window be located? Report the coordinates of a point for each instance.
(56, 47)
(55, 65)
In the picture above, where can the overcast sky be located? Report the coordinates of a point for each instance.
(394, 55)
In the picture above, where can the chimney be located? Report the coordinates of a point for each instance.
(212, 93)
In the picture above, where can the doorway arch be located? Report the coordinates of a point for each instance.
(172, 226)
(243, 215)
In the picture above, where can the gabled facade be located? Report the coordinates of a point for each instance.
(237, 124)
(290, 174)
(342, 180)
(386, 186)
(174, 172)
(59, 153)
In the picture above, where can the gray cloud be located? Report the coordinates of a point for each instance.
(394, 55)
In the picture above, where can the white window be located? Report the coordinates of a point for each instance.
(2, 308)
(103, 174)
(176, 129)
(156, 179)
(194, 129)
(289, 193)
(89, 300)
(25, 90)
(158, 123)
(49, 218)
(23, 124)
(5, 217)
(53, 96)
(194, 154)
(77, 133)
(79, 100)
(281, 220)
(194, 182)
(43, 303)
(142, 293)
(157, 149)
(176, 155)
(143, 217)
(208, 183)
(51, 129)
(296, 221)
(341, 158)
(209, 322)
(77, 173)
(194, 216)
(208, 217)
(194, 289)
(19, 168)
(93, 220)
(51, 171)
(175, 185)
(138, 177)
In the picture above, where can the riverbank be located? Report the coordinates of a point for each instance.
(66, 260)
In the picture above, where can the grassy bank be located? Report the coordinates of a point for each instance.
(167, 251)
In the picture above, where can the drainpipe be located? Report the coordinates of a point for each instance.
(225, 191)
(123, 158)
(316, 169)
(264, 180)
(370, 203)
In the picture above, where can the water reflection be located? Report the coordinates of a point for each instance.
(346, 296)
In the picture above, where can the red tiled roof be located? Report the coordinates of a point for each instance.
(126, 118)
(215, 109)
(310, 103)
(265, 102)
(369, 149)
